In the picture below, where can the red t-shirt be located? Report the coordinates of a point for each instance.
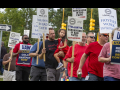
(78, 52)
(16, 48)
(94, 67)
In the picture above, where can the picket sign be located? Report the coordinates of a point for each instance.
(13, 40)
(42, 18)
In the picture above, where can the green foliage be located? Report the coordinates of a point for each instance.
(21, 19)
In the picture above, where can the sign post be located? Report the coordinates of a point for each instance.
(42, 18)
(74, 33)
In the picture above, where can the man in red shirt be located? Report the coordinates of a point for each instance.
(95, 67)
(79, 49)
(22, 70)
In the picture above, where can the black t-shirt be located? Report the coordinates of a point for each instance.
(50, 46)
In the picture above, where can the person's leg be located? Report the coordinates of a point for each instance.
(6, 76)
(92, 77)
(13, 75)
(34, 74)
(25, 74)
(57, 57)
(18, 73)
(50, 74)
(57, 75)
(1, 66)
(43, 75)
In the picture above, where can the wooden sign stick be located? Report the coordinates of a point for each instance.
(37, 50)
(110, 40)
(10, 61)
(72, 57)
(44, 46)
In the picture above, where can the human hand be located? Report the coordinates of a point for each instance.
(19, 51)
(37, 52)
(9, 60)
(79, 70)
(64, 75)
(109, 59)
(44, 50)
(59, 47)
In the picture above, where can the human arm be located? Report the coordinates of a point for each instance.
(103, 56)
(15, 54)
(103, 60)
(65, 44)
(82, 61)
(5, 60)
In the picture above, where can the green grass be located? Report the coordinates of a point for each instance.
(1, 79)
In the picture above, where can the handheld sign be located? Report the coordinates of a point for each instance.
(13, 40)
(80, 13)
(107, 19)
(74, 29)
(42, 18)
(24, 57)
(115, 56)
(35, 33)
(74, 33)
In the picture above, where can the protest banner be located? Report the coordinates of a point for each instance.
(80, 13)
(115, 55)
(74, 33)
(13, 40)
(42, 18)
(24, 57)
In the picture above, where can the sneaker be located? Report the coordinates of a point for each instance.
(59, 66)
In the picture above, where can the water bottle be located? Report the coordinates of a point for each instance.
(79, 75)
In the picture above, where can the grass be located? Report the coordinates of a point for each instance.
(1, 79)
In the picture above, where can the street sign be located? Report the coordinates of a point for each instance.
(74, 29)
(5, 27)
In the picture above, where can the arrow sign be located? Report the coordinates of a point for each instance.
(5, 27)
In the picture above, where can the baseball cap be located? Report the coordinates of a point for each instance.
(10, 48)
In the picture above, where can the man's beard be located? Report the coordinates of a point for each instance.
(25, 42)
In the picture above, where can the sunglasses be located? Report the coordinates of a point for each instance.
(26, 38)
(105, 35)
(91, 36)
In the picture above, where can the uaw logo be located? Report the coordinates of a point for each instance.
(42, 12)
(13, 35)
(107, 11)
(72, 21)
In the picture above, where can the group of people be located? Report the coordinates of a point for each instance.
(92, 59)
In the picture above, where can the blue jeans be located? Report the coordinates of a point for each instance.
(76, 79)
(107, 78)
(1, 66)
(93, 77)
